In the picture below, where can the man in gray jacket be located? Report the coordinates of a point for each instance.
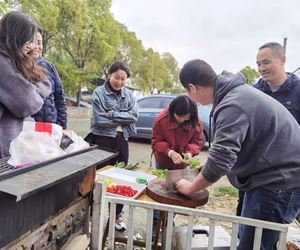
(256, 144)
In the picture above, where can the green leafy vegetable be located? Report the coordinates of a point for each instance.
(120, 164)
(128, 167)
(193, 163)
(159, 173)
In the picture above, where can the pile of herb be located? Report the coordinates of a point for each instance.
(159, 173)
(128, 167)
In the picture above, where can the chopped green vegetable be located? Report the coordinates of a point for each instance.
(128, 167)
(120, 164)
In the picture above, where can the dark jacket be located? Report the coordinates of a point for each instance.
(18, 99)
(256, 140)
(54, 109)
(168, 135)
(288, 94)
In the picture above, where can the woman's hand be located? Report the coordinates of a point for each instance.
(183, 186)
(187, 156)
(177, 158)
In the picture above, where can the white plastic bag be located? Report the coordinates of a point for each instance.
(32, 147)
(52, 129)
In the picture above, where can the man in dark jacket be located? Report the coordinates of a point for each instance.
(275, 82)
(54, 109)
(256, 144)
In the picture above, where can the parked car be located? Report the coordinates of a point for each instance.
(151, 106)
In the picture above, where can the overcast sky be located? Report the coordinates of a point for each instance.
(225, 33)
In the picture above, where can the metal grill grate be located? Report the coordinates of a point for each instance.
(4, 166)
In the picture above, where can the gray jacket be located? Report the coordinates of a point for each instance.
(111, 111)
(256, 139)
(18, 99)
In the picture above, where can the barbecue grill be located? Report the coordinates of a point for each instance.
(41, 206)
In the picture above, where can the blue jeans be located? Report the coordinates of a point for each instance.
(281, 206)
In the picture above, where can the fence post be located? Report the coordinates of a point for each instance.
(98, 216)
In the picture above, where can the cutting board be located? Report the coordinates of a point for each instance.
(156, 189)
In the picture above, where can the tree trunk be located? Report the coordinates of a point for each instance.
(78, 97)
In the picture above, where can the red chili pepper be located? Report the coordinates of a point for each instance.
(122, 190)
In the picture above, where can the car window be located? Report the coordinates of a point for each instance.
(297, 72)
(151, 102)
(166, 102)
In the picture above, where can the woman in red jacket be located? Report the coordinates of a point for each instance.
(177, 134)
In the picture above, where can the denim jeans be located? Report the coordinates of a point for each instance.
(281, 206)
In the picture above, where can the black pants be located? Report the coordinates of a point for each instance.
(116, 144)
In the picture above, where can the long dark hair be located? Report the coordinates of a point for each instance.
(16, 29)
(183, 105)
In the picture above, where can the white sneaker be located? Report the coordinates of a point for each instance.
(120, 225)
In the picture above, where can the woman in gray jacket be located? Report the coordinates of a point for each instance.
(23, 84)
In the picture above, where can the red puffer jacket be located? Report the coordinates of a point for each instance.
(167, 135)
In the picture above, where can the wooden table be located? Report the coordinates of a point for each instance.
(158, 194)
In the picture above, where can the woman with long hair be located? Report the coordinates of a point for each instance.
(54, 109)
(23, 84)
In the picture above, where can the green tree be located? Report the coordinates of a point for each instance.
(250, 74)
(173, 71)
(82, 39)
(88, 34)
(7, 6)
(131, 49)
(45, 13)
(154, 72)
